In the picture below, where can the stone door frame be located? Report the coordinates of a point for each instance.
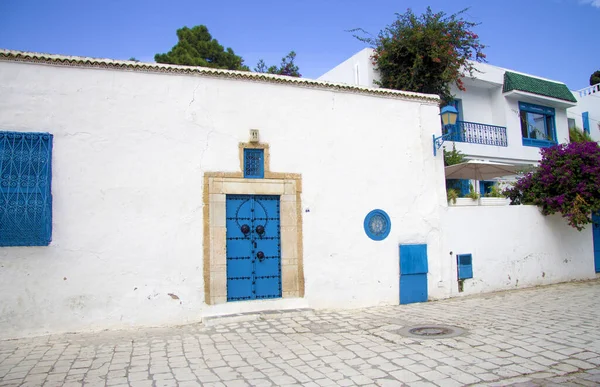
(289, 188)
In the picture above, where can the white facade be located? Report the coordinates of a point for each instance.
(130, 150)
(483, 102)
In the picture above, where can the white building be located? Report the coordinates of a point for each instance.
(139, 194)
(504, 115)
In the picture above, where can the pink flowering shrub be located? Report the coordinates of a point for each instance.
(567, 181)
(426, 53)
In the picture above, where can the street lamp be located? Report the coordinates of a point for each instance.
(449, 115)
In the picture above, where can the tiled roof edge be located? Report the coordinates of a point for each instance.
(86, 62)
(560, 91)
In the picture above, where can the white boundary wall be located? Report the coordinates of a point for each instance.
(514, 247)
(130, 149)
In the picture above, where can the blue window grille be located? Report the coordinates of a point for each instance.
(586, 122)
(377, 225)
(465, 266)
(537, 125)
(254, 163)
(25, 189)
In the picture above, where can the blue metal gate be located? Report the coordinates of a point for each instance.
(596, 233)
(253, 247)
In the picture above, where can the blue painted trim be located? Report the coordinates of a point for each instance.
(538, 143)
(377, 236)
(586, 122)
(528, 107)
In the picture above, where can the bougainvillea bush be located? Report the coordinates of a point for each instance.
(426, 53)
(567, 181)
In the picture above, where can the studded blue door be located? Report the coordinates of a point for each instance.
(596, 233)
(253, 247)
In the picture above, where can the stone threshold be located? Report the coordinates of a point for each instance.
(253, 316)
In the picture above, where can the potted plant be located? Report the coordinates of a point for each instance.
(451, 195)
(494, 197)
(470, 199)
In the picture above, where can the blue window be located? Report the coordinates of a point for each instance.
(460, 185)
(537, 125)
(254, 163)
(586, 122)
(377, 225)
(25, 192)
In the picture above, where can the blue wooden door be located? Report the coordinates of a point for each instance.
(596, 234)
(413, 273)
(253, 247)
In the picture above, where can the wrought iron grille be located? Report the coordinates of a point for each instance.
(25, 192)
(476, 133)
(254, 165)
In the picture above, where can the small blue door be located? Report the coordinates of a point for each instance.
(413, 273)
(253, 247)
(596, 233)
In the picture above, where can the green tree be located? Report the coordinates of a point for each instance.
(595, 78)
(196, 47)
(426, 53)
(287, 66)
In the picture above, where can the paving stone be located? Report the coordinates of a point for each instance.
(527, 336)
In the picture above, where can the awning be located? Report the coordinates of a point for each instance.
(480, 170)
(520, 82)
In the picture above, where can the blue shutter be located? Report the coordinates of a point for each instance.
(586, 122)
(254, 163)
(25, 189)
(465, 266)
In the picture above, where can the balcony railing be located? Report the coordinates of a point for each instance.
(476, 133)
(589, 90)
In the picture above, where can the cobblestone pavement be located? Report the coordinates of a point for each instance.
(535, 337)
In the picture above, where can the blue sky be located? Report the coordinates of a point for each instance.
(556, 39)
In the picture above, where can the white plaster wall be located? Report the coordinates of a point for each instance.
(130, 150)
(356, 70)
(514, 247)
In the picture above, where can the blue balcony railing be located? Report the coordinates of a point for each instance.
(476, 133)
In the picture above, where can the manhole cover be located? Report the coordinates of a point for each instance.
(430, 331)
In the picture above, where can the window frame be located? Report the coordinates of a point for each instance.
(549, 116)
